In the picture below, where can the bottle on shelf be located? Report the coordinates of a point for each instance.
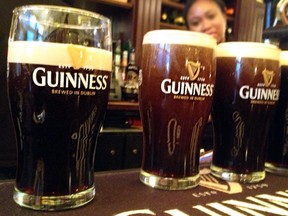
(130, 87)
(177, 17)
(164, 16)
(179, 20)
(115, 89)
(117, 61)
(124, 65)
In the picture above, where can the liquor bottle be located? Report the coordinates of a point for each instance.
(132, 67)
(164, 16)
(130, 88)
(124, 65)
(115, 89)
(117, 53)
(117, 62)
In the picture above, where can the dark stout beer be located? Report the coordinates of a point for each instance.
(176, 89)
(246, 93)
(57, 112)
(59, 69)
(277, 153)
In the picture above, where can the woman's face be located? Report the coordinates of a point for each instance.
(205, 16)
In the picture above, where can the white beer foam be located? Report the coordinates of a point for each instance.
(57, 54)
(248, 50)
(284, 58)
(182, 37)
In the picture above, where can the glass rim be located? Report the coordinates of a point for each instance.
(176, 36)
(67, 9)
(284, 58)
(248, 49)
(255, 44)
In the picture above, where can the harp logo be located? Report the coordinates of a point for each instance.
(268, 77)
(78, 55)
(193, 69)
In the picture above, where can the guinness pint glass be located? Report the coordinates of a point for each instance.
(59, 71)
(277, 153)
(176, 88)
(246, 93)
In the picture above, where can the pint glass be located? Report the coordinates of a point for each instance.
(176, 87)
(59, 69)
(246, 94)
(277, 153)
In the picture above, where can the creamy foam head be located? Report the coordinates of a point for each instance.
(179, 37)
(248, 50)
(284, 58)
(57, 54)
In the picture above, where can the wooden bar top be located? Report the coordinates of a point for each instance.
(123, 105)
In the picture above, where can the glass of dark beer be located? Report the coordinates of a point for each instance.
(176, 87)
(277, 152)
(59, 69)
(246, 93)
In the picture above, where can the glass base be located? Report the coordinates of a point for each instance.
(228, 175)
(53, 203)
(169, 183)
(276, 170)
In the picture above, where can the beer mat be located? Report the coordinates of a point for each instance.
(120, 193)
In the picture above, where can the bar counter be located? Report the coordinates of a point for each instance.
(120, 193)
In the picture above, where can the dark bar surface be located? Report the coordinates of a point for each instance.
(120, 193)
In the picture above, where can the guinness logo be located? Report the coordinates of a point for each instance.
(193, 69)
(268, 77)
(78, 55)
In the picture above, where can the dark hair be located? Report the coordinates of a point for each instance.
(189, 3)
